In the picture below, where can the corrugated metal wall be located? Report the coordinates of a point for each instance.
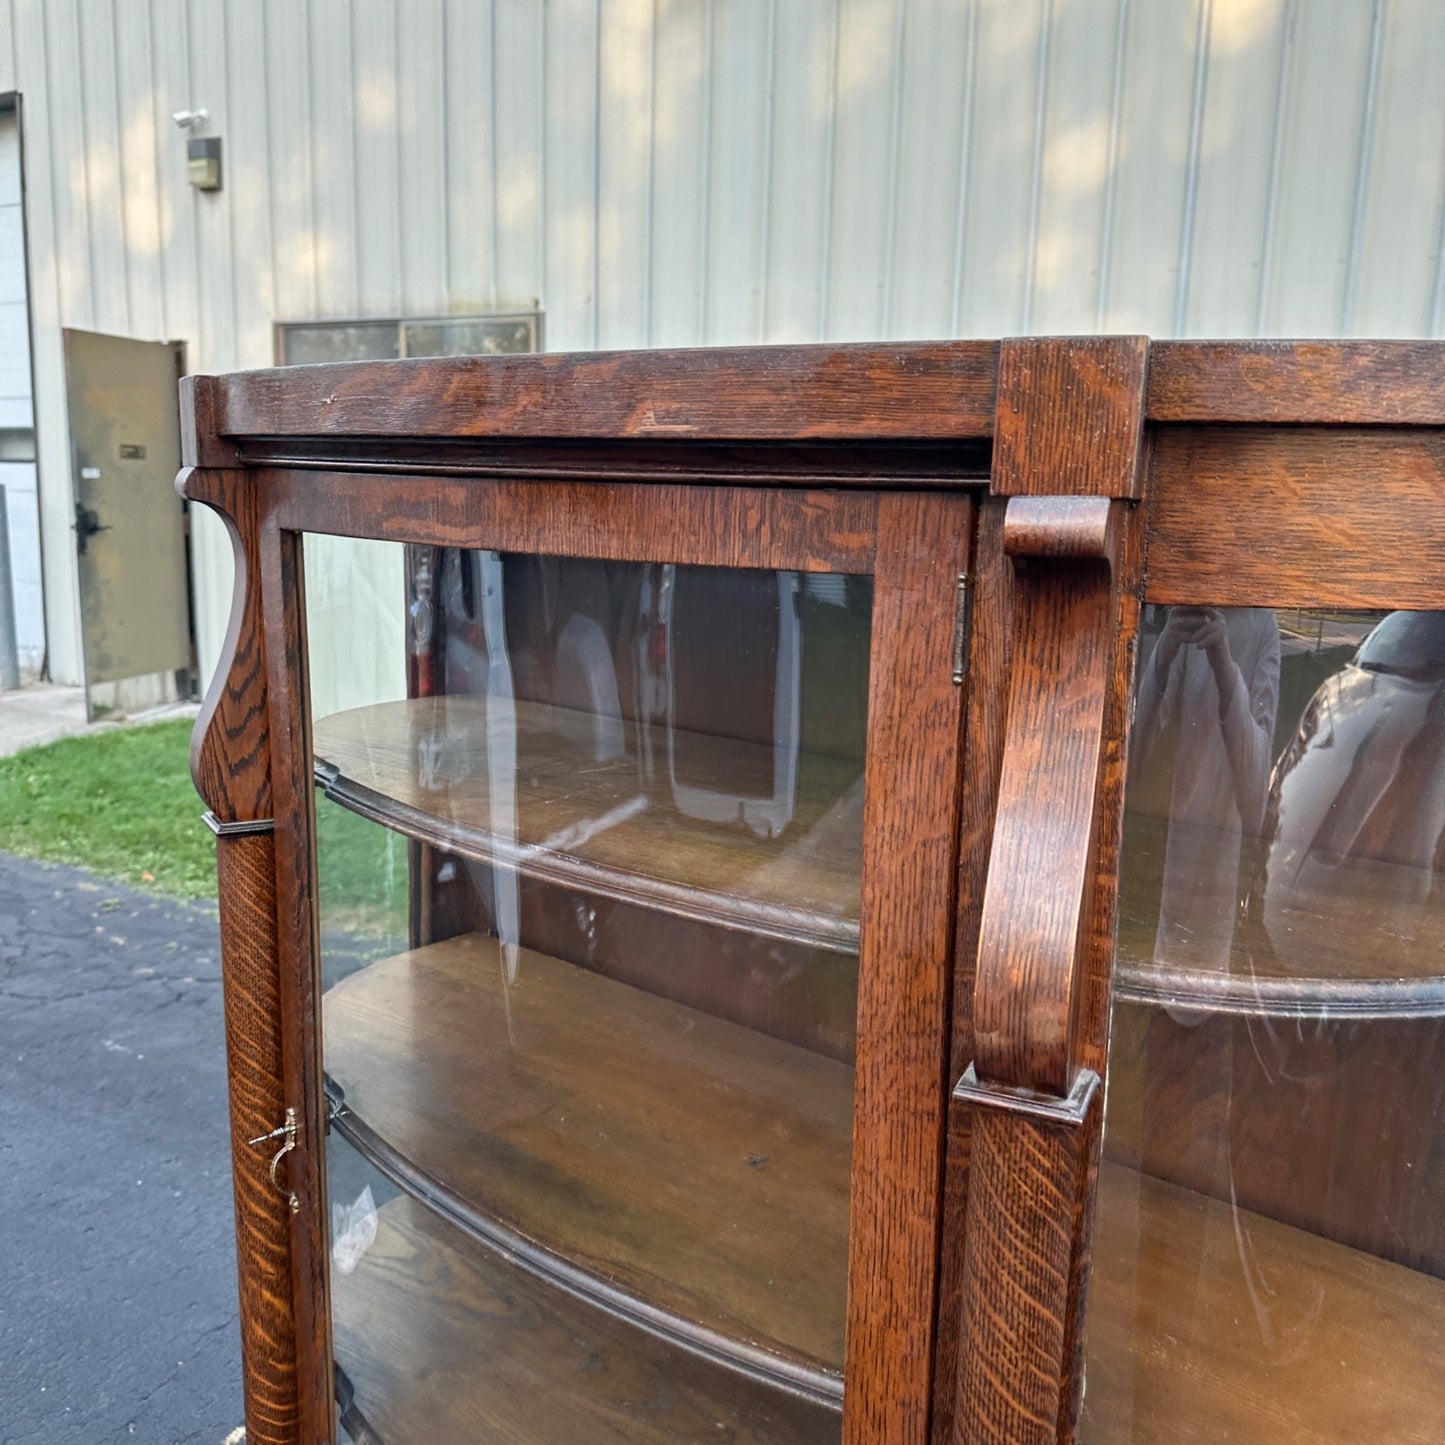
(679, 172)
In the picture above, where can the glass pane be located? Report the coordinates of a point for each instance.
(589, 880)
(472, 336)
(340, 341)
(1269, 1250)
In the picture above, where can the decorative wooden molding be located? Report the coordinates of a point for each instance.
(231, 765)
(1040, 868)
(1026, 1116)
(1069, 418)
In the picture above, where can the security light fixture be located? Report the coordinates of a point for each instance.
(203, 162)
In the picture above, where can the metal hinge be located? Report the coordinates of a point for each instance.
(962, 608)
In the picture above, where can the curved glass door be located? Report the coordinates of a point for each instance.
(589, 848)
(1269, 1245)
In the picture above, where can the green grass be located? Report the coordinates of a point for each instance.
(118, 801)
(361, 875)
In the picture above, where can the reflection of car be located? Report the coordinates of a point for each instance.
(1357, 811)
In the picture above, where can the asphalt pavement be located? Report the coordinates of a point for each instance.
(117, 1259)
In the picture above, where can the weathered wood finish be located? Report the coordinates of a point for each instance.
(230, 762)
(1069, 417)
(783, 393)
(1294, 383)
(909, 859)
(1298, 517)
(616, 522)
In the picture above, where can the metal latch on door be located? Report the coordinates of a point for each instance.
(87, 521)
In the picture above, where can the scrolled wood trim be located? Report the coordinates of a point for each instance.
(1040, 868)
(1060, 528)
(1025, 1119)
(231, 765)
(230, 745)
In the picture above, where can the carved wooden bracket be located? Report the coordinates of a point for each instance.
(1040, 868)
(1030, 1106)
(231, 765)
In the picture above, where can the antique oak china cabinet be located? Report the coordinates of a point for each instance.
(870, 893)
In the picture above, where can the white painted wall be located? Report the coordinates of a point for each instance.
(683, 172)
(18, 478)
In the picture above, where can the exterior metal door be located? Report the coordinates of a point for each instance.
(129, 522)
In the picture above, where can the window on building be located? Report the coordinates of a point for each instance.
(302, 343)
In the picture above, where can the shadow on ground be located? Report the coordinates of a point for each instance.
(117, 1263)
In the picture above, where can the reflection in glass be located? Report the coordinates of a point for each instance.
(602, 1051)
(1269, 1249)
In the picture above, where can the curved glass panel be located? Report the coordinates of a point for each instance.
(1269, 1248)
(589, 844)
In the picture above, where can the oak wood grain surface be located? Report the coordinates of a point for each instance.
(1052, 393)
(721, 526)
(1297, 517)
(990, 637)
(421, 767)
(1207, 1323)
(444, 1342)
(1030, 1177)
(783, 392)
(230, 745)
(1046, 923)
(230, 764)
(915, 760)
(696, 1165)
(1370, 383)
(283, 606)
(1040, 869)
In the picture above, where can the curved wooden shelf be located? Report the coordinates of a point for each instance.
(420, 767)
(443, 1341)
(679, 1171)
(1263, 995)
(1179, 1348)
(1352, 956)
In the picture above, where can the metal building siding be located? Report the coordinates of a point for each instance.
(681, 172)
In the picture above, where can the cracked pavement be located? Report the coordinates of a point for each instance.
(117, 1259)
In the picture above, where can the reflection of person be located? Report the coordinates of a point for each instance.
(1207, 697)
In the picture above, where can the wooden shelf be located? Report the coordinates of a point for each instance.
(679, 1170)
(444, 1341)
(1355, 958)
(1320, 1343)
(421, 767)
